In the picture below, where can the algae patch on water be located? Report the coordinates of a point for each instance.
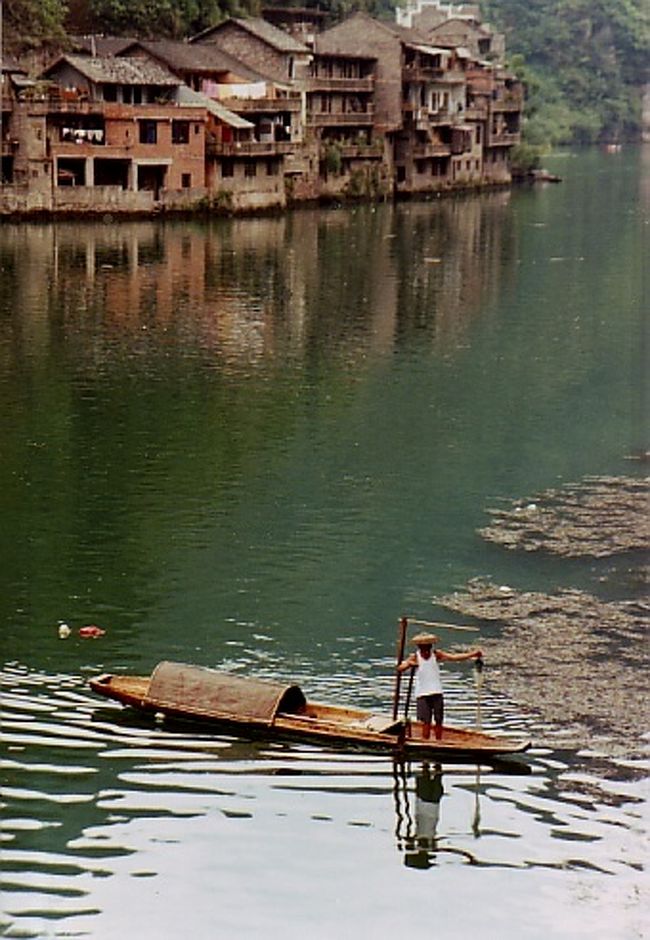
(596, 517)
(579, 662)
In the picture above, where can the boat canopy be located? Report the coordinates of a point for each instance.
(211, 693)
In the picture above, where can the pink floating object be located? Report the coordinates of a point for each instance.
(91, 631)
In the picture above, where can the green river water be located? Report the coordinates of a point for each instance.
(255, 444)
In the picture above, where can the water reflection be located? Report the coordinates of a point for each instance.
(243, 293)
(99, 799)
(258, 442)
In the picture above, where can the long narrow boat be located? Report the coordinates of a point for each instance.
(257, 706)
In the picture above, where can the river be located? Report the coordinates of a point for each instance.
(256, 444)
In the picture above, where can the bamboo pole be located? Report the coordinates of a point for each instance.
(447, 626)
(401, 645)
(408, 694)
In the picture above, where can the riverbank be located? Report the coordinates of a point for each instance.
(84, 203)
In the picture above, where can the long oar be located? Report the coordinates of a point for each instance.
(447, 626)
(478, 678)
(401, 645)
(409, 690)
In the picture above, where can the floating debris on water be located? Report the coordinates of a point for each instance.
(597, 517)
(92, 631)
(568, 657)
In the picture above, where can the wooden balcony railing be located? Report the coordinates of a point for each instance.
(340, 118)
(503, 138)
(250, 148)
(512, 101)
(430, 149)
(266, 105)
(351, 85)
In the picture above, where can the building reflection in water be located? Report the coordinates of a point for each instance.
(417, 811)
(348, 284)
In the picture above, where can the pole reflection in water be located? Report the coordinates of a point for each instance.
(417, 824)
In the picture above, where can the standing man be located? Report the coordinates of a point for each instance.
(428, 684)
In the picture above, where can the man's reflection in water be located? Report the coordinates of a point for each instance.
(417, 834)
(428, 793)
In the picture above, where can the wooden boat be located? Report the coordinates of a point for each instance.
(253, 706)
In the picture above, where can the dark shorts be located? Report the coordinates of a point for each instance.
(429, 706)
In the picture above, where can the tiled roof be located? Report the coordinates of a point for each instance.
(188, 97)
(271, 35)
(118, 70)
(10, 65)
(266, 32)
(100, 45)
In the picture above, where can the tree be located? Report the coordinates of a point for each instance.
(31, 24)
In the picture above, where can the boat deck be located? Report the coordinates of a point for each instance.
(315, 721)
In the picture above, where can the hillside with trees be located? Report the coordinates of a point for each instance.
(584, 61)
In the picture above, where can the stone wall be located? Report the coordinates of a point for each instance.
(256, 54)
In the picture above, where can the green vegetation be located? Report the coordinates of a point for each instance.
(156, 18)
(583, 61)
(33, 24)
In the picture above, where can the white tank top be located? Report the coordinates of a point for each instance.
(427, 677)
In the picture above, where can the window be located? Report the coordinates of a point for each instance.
(186, 180)
(127, 94)
(148, 132)
(250, 168)
(228, 168)
(271, 167)
(180, 132)
(110, 92)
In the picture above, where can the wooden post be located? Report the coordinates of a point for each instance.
(408, 694)
(401, 645)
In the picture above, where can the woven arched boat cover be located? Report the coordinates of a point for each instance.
(210, 693)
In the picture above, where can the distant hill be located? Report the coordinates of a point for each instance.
(586, 63)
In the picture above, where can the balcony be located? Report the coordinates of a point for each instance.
(503, 139)
(430, 76)
(476, 113)
(8, 147)
(419, 73)
(430, 149)
(340, 118)
(261, 105)
(511, 101)
(355, 86)
(361, 151)
(250, 148)
(65, 148)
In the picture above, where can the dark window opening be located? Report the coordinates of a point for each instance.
(148, 132)
(180, 132)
